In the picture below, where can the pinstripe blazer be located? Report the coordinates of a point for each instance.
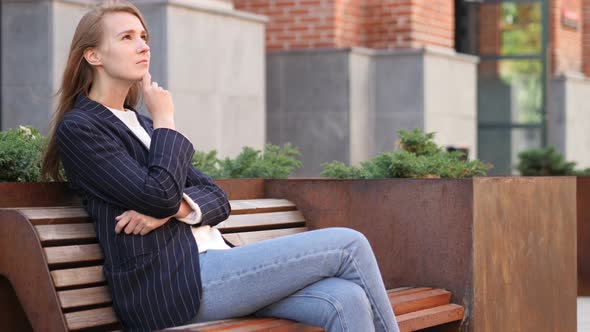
(154, 279)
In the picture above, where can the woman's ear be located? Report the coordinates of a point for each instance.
(92, 57)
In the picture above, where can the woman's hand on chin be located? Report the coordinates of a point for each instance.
(158, 102)
(133, 222)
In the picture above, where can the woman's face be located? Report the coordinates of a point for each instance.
(124, 52)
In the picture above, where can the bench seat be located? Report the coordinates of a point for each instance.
(53, 260)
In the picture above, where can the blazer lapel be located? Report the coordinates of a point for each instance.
(87, 104)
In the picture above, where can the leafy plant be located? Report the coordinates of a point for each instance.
(274, 162)
(417, 157)
(20, 154)
(546, 162)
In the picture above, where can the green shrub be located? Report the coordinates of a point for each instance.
(546, 162)
(20, 154)
(417, 157)
(274, 162)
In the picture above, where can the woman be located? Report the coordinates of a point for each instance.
(134, 177)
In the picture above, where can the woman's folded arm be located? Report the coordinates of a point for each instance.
(105, 167)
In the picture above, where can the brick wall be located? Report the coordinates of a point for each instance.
(380, 24)
(586, 37)
(566, 43)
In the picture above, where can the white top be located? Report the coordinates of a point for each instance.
(205, 236)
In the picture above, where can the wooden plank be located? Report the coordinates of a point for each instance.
(419, 301)
(261, 221)
(90, 318)
(240, 239)
(78, 276)
(430, 317)
(56, 215)
(246, 206)
(85, 296)
(65, 232)
(405, 291)
(73, 254)
(248, 325)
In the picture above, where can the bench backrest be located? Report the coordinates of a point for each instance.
(74, 259)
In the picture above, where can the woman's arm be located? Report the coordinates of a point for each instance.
(104, 168)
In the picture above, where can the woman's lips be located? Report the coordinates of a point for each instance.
(142, 62)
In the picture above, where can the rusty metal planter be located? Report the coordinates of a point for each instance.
(505, 247)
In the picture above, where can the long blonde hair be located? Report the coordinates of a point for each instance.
(79, 75)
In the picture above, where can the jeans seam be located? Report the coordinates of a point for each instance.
(248, 273)
(331, 301)
(367, 290)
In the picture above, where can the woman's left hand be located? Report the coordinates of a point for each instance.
(134, 222)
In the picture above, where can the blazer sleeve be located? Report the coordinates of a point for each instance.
(212, 200)
(105, 168)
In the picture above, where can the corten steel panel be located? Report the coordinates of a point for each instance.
(420, 230)
(524, 255)
(14, 194)
(583, 208)
(242, 188)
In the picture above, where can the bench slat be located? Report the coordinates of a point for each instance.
(430, 317)
(78, 276)
(56, 215)
(86, 296)
(260, 221)
(406, 290)
(248, 324)
(260, 205)
(90, 318)
(73, 254)
(240, 239)
(419, 301)
(61, 232)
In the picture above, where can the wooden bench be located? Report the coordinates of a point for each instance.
(53, 261)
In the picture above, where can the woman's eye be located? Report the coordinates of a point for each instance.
(127, 37)
(144, 37)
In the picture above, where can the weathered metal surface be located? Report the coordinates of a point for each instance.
(242, 188)
(14, 194)
(583, 209)
(524, 254)
(423, 233)
(420, 230)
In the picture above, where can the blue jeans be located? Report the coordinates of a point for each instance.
(327, 278)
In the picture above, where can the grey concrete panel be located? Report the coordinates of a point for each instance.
(26, 43)
(450, 99)
(310, 80)
(362, 108)
(569, 117)
(399, 84)
(26, 105)
(321, 136)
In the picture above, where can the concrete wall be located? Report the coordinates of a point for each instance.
(27, 63)
(348, 104)
(308, 104)
(210, 56)
(569, 117)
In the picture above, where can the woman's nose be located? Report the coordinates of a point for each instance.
(143, 46)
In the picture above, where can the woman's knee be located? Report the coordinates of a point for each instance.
(348, 235)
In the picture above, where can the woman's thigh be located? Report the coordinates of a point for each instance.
(242, 280)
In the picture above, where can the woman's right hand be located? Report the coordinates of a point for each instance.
(159, 103)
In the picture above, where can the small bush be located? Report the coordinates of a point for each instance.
(417, 157)
(20, 154)
(546, 162)
(274, 162)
